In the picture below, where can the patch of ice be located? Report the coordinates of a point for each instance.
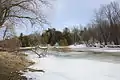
(57, 68)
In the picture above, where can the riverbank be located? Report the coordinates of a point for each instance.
(11, 64)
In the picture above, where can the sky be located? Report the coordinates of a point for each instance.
(73, 12)
(66, 13)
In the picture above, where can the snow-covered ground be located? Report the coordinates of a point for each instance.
(78, 46)
(83, 47)
(78, 66)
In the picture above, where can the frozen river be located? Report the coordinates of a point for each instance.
(75, 66)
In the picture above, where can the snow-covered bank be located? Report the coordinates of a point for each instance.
(83, 48)
(69, 68)
(77, 46)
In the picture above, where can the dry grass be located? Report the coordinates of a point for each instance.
(10, 64)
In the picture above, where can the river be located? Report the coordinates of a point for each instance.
(75, 66)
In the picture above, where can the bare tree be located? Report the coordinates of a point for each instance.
(86, 35)
(112, 15)
(102, 26)
(76, 34)
(107, 20)
(9, 31)
(17, 11)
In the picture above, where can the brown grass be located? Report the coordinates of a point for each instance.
(11, 64)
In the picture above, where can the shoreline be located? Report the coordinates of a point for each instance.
(12, 64)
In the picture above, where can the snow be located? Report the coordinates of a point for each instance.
(83, 47)
(106, 50)
(77, 46)
(74, 68)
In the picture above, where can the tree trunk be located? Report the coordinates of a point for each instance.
(116, 42)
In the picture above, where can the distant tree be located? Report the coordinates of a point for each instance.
(63, 42)
(35, 39)
(76, 35)
(21, 36)
(44, 38)
(66, 30)
(52, 36)
(25, 40)
(107, 21)
(67, 35)
(85, 35)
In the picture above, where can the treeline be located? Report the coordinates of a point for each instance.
(106, 24)
(55, 37)
(104, 28)
(30, 40)
(50, 36)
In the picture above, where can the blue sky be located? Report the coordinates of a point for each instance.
(70, 12)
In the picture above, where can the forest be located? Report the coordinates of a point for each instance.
(104, 28)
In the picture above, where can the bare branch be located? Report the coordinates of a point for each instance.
(23, 9)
